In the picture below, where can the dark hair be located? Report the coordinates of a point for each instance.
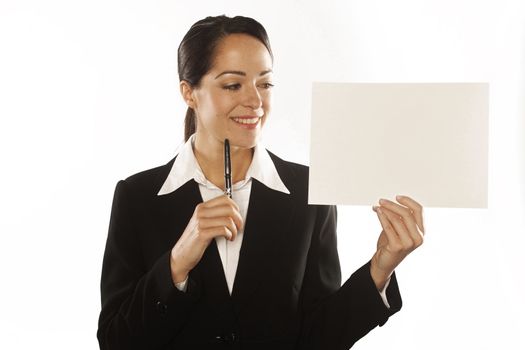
(195, 54)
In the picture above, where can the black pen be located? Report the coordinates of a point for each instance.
(227, 169)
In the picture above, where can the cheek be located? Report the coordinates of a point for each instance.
(223, 104)
(267, 102)
(210, 106)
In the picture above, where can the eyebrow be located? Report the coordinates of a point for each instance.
(238, 72)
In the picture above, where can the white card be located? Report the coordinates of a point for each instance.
(428, 141)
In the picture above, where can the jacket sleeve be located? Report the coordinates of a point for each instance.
(141, 308)
(335, 317)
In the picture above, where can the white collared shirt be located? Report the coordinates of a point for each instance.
(261, 168)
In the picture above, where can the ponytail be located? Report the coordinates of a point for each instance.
(189, 124)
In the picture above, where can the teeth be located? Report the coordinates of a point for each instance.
(246, 121)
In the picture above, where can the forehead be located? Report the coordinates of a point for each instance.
(241, 51)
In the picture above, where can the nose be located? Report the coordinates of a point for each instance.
(252, 98)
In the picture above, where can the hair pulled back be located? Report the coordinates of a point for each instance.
(196, 51)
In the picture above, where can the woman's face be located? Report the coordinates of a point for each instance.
(233, 99)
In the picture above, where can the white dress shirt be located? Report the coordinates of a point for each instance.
(261, 168)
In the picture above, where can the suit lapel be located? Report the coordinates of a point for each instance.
(177, 208)
(267, 223)
(268, 220)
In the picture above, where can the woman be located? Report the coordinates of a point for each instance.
(174, 274)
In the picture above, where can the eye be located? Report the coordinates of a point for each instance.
(267, 85)
(232, 87)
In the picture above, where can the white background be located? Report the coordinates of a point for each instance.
(89, 95)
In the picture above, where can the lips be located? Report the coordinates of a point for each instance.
(247, 121)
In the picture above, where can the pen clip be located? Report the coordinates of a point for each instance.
(227, 169)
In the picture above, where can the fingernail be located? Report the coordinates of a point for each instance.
(382, 201)
(399, 197)
(379, 210)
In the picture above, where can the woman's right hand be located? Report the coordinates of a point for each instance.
(217, 217)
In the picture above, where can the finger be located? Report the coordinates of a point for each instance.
(400, 228)
(416, 208)
(220, 200)
(407, 218)
(224, 201)
(219, 231)
(222, 211)
(218, 222)
(393, 239)
(397, 209)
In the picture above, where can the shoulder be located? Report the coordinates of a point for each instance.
(148, 182)
(294, 175)
(288, 168)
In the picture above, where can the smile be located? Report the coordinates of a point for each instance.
(246, 120)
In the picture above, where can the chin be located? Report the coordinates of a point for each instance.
(243, 141)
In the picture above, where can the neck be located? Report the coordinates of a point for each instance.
(210, 156)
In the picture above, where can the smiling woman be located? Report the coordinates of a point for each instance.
(187, 267)
(232, 100)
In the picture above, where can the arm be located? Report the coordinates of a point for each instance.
(141, 308)
(335, 317)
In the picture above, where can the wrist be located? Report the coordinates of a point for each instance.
(379, 276)
(178, 272)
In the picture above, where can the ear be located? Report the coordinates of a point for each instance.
(186, 90)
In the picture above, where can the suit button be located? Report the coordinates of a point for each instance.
(162, 308)
(227, 338)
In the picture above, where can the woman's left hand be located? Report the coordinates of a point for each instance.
(403, 232)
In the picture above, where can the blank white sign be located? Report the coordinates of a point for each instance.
(376, 140)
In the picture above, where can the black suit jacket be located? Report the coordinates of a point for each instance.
(287, 292)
